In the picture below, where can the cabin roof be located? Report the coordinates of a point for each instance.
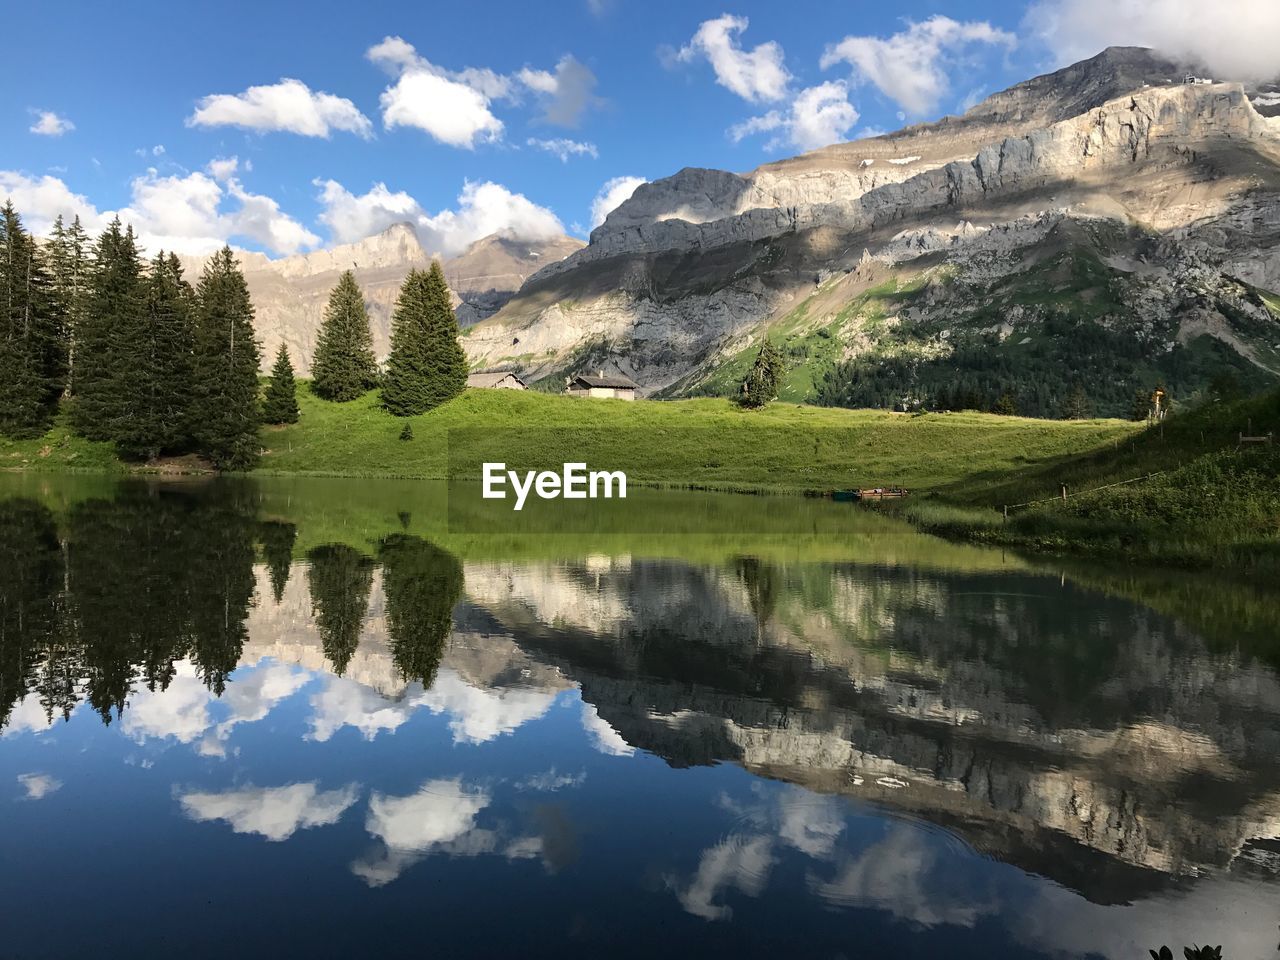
(490, 378)
(618, 382)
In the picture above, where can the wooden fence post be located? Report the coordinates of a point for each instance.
(1064, 491)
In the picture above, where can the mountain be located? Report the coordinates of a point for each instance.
(1107, 226)
(290, 294)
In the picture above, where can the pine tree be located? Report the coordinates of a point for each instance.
(113, 304)
(154, 352)
(1076, 406)
(278, 538)
(69, 264)
(427, 365)
(339, 578)
(225, 411)
(32, 333)
(281, 402)
(422, 583)
(344, 367)
(761, 384)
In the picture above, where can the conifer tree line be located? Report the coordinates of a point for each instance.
(139, 357)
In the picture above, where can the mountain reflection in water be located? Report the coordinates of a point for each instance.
(202, 692)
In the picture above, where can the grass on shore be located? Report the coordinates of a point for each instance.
(1185, 491)
(700, 443)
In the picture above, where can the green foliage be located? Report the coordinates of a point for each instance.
(344, 366)
(225, 406)
(407, 433)
(339, 578)
(427, 366)
(761, 384)
(281, 402)
(113, 306)
(153, 349)
(32, 333)
(422, 584)
(70, 263)
(1076, 406)
(278, 539)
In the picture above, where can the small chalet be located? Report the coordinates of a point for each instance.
(597, 386)
(495, 380)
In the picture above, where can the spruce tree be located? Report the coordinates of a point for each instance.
(422, 583)
(339, 578)
(344, 367)
(427, 365)
(761, 385)
(113, 305)
(278, 538)
(225, 411)
(281, 402)
(154, 353)
(69, 263)
(32, 333)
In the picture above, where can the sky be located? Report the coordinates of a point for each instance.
(287, 127)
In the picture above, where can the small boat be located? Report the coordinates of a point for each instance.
(871, 493)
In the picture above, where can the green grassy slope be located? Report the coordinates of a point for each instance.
(697, 443)
(701, 442)
(1185, 490)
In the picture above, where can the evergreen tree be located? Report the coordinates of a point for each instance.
(69, 263)
(427, 365)
(281, 403)
(344, 367)
(761, 384)
(278, 538)
(339, 578)
(113, 305)
(422, 584)
(1006, 406)
(32, 333)
(1076, 406)
(1141, 407)
(154, 352)
(225, 411)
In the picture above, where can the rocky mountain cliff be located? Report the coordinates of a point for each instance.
(1110, 223)
(290, 294)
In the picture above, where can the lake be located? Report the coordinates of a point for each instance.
(309, 718)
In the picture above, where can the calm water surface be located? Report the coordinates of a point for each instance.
(303, 719)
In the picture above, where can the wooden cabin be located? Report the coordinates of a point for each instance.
(598, 386)
(495, 380)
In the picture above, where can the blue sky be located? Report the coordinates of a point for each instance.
(428, 111)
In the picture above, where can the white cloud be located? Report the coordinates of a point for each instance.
(565, 94)
(186, 215)
(452, 107)
(185, 709)
(290, 106)
(483, 209)
(564, 149)
(223, 168)
(758, 75)
(911, 67)
(1235, 39)
(551, 781)
(481, 715)
(41, 199)
(440, 816)
(276, 813)
(818, 116)
(612, 195)
(741, 863)
(601, 735)
(38, 785)
(49, 124)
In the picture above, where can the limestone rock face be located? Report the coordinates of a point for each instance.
(290, 294)
(698, 265)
